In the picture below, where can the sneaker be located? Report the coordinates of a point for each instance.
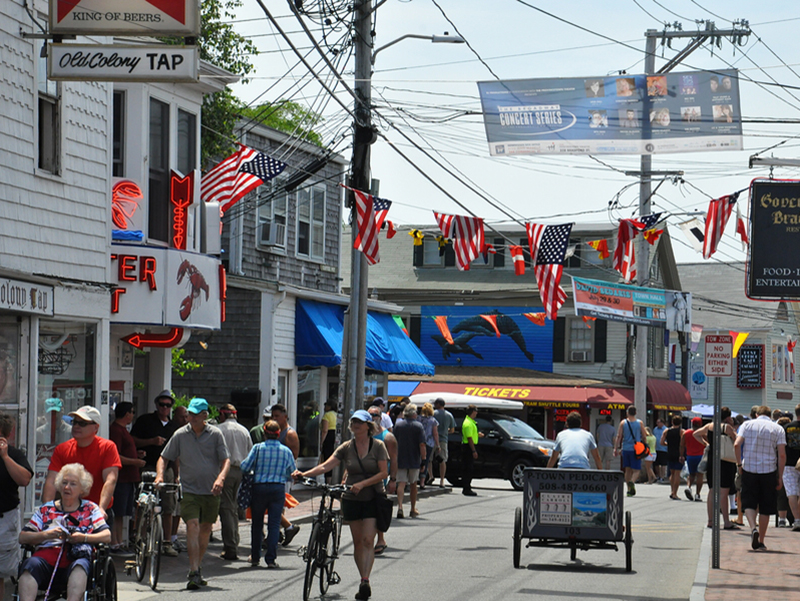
(796, 527)
(273, 566)
(203, 581)
(364, 591)
(688, 493)
(697, 498)
(193, 582)
(168, 550)
(176, 544)
(782, 523)
(754, 542)
(289, 533)
(632, 490)
(469, 493)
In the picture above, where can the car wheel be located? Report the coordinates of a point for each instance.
(516, 475)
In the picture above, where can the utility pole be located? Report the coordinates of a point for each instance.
(643, 251)
(353, 355)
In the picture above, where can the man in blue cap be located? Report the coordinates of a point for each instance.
(204, 465)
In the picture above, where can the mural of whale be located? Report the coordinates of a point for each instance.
(460, 345)
(505, 325)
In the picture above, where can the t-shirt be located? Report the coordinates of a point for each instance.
(651, 443)
(100, 454)
(693, 446)
(346, 453)
(792, 443)
(150, 426)
(469, 431)
(657, 432)
(330, 417)
(574, 446)
(9, 490)
(257, 434)
(126, 447)
(409, 435)
(430, 424)
(89, 520)
(605, 435)
(201, 457)
(446, 422)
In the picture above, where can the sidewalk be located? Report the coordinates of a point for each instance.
(745, 574)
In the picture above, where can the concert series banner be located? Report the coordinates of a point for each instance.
(627, 114)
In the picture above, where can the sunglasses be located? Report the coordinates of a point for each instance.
(80, 422)
(165, 405)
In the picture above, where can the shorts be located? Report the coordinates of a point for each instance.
(661, 457)
(9, 545)
(693, 461)
(758, 492)
(791, 482)
(200, 507)
(353, 511)
(629, 460)
(727, 474)
(675, 466)
(443, 453)
(407, 475)
(124, 499)
(42, 571)
(650, 457)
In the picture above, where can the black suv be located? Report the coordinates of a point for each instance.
(507, 447)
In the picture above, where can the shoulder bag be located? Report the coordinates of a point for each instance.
(245, 496)
(640, 449)
(726, 452)
(383, 504)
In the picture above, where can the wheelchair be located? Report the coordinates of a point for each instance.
(101, 585)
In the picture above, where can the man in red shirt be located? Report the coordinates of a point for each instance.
(692, 450)
(98, 455)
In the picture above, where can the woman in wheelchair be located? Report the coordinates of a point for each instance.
(63, 532)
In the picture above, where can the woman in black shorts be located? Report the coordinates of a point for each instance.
(366, 462)
(727, 473)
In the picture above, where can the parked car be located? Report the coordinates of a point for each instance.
(507, 447)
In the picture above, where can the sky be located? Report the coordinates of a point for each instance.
(429, 93)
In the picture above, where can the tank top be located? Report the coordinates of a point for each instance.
(282, 435)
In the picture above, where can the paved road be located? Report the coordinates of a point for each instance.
(460, 548)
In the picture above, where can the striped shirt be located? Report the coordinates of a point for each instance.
(761, 437)
(269, 461)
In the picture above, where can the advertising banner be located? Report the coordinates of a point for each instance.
(97, 62)
(773, 266)
(628, 114)
(150, 18)
(670, 309)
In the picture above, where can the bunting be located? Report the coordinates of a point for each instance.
(625, 253)
(587, 319)
(519, 259)
(441, 323)
(492, 319)
(693, 230)
(652, 235)
(391, 230)
(370, 213)
(548, 245)
(741, 228)
(738, 340)
(537, 318)
(466, 234)
(719, 211)
(601, 246)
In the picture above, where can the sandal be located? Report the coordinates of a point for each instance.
(731, 526)
(379, 549)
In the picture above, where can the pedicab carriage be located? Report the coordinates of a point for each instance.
(573, 508)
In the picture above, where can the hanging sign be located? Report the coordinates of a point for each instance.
(97, 62)
(151, 18)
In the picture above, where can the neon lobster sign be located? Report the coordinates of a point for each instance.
(181, 196)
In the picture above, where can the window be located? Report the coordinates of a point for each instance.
(499, 256)
(272, 216)
(311, 222)
(575, 260)
(656, 351)
(49, 104)
(589, 344)
(429, 254)
(580, 341)
(782, 364)
(187, 142)
(158, 161)
(118, 159)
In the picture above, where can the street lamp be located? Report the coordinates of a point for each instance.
(436, 39)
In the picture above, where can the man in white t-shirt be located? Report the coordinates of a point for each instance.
(574, 445)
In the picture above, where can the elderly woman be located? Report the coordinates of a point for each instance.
(365, 460)
(71, 523)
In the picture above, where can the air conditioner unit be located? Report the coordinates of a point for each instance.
(272, 234)
(580, 356)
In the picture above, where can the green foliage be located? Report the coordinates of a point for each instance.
(183, 400)
(287, 116)
(180, 364)
(220, 114)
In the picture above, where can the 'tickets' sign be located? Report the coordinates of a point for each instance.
(150, 18)
(773, 267)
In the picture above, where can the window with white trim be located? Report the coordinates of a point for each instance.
(272, 216)
(49, 120)
(118, 157)
(311, 222)
(581, 339)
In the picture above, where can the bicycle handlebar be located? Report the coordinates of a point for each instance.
(331, 489)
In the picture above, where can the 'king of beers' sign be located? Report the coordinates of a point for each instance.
(773, 270)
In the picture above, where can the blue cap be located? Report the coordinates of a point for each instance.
(198, 406)
(362, 416)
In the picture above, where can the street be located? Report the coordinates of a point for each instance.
(460, 548)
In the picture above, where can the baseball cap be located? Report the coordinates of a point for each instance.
(362, 416)
(697, 420)
(198, 406)
(53, 404)
(378, 402)
(267, 413)
(87, 413)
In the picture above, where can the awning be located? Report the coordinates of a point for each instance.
(318, 341)
(561, 397)
(667, 395)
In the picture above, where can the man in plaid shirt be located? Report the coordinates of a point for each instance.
(760, 456)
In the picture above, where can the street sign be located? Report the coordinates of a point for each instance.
(719, 356)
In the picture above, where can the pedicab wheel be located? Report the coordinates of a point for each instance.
(628, 543)
(573, 551)
(517, 535)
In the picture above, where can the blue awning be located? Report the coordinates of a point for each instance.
(318, 341)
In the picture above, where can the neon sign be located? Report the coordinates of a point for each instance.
(181, 193)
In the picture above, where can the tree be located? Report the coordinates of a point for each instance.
(286, 116)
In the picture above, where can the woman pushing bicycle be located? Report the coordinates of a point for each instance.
(366, 462)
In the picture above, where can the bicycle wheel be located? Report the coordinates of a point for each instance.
(327, 555)
(312, 552)
(142, 536)
(156, 537)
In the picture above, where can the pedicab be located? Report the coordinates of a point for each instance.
(575, 509)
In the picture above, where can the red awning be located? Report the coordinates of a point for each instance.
(562, 397)
(667, 395)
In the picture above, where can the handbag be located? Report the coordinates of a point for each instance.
(246, 491)
(383, 504)
(726, 452)
(640, 449)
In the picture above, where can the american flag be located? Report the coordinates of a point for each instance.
(719, 211)
(243, 171)
(548, 244)
(625, 252)
(466, 234)
(371, 211)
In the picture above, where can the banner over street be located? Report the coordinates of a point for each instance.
(629, 114)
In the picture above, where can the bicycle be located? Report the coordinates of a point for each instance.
(148, 535)
(322, 550)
